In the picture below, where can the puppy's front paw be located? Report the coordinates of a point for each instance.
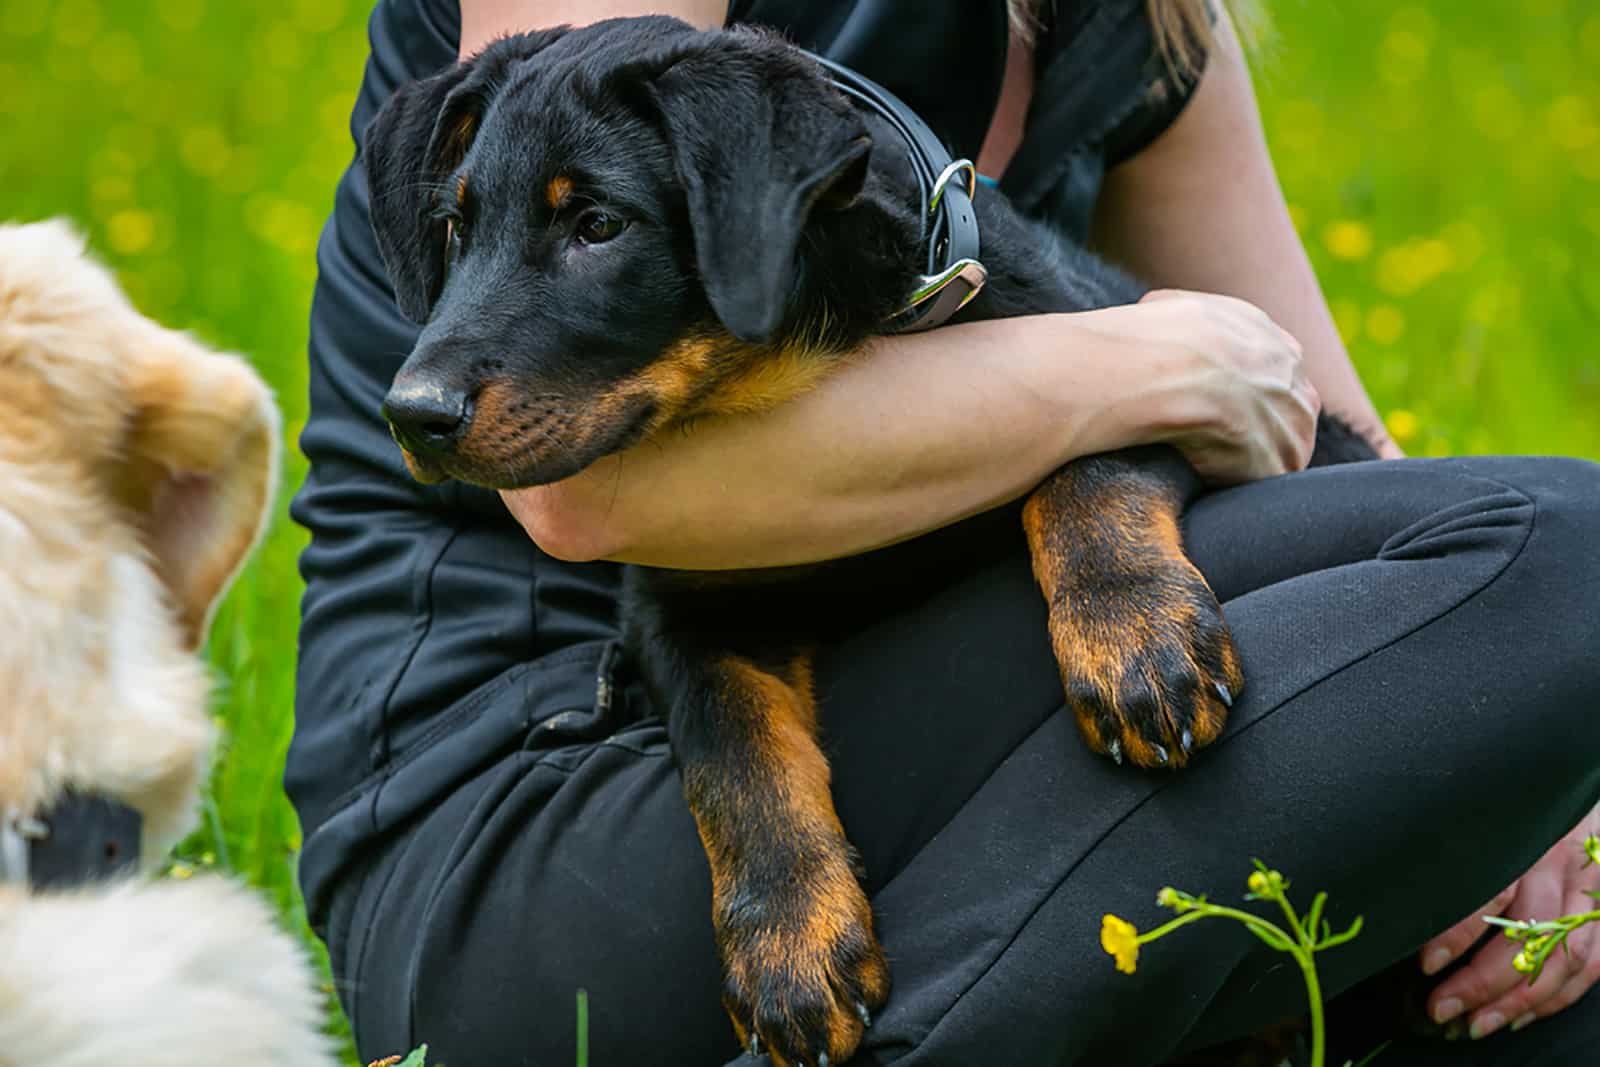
(804, 972)
(1147, 661)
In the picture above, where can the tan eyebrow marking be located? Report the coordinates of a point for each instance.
(557, 192)
(460, 138)
(461, 189)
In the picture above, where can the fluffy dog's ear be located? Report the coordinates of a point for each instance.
(758, 138)
(420, 135)
(199, 466)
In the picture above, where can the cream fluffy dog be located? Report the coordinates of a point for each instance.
(136, 470)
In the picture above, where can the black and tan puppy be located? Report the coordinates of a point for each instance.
(612, 230)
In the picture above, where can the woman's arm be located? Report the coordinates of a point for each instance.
(931, 428)
(484, 20)
(1200, 208)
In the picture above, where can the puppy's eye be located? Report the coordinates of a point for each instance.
(597, 227)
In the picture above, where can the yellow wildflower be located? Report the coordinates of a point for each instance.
(130, 232)
(1523, 964)
(1120, 939)
(1348, 239)
(1402, 424)
(1591, 848)
(1386, 324)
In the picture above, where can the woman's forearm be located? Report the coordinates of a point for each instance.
(920, 431)
(916, 432)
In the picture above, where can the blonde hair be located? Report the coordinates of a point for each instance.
(1182, 27)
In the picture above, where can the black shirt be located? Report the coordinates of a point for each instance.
(435, 636)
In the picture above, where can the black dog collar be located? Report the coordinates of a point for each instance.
(80, 839)
(954, 274)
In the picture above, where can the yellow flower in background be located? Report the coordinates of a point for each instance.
(181, 15)
(1497, 111)
(1402, 424)
(110, 189)
(204, 150)
(77, 22)
(1120, 939)
(1465, 242)
(131, 232)
(1348, 239)
(1386, 324)
(1572, 123)
(116, 58)
(1405, 269)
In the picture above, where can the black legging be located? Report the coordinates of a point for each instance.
(1422, 646)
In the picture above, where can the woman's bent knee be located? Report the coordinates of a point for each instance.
(1545, 612)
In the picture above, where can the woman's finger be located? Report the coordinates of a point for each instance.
(1445, 949)
(1488, 975)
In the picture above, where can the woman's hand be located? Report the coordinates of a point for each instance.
(1234, 397)
(1488, 991)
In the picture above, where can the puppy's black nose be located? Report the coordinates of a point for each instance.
(427, 417)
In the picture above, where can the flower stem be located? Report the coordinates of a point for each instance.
(1319, 1039)
(1302, 952)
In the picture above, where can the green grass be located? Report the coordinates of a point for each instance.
(1443, 162)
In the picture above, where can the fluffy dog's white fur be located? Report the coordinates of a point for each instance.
(136, 471)
(164, 974)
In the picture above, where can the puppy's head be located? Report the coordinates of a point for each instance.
(112, 409)
(599, 228)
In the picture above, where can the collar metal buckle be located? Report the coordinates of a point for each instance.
(946, 176)
(951, 289)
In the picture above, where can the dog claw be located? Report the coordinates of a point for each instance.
(1225, 694)
(822, 1060)
(863, 1014)
(755, 1043)
(1187, 741)
(1161, 754)
(1114, 750)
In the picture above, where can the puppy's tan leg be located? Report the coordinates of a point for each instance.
(1147, 660)
(791, 921)
(201, 465)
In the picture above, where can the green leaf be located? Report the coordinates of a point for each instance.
(1338, 939)
(418, 1057)
(1314, 917)
(1274, 937)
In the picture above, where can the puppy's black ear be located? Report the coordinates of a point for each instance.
(758, 138)
(421, 135)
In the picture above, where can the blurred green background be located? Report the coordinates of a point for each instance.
(1442, 161)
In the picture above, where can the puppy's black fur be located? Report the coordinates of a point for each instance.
(614, 230)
